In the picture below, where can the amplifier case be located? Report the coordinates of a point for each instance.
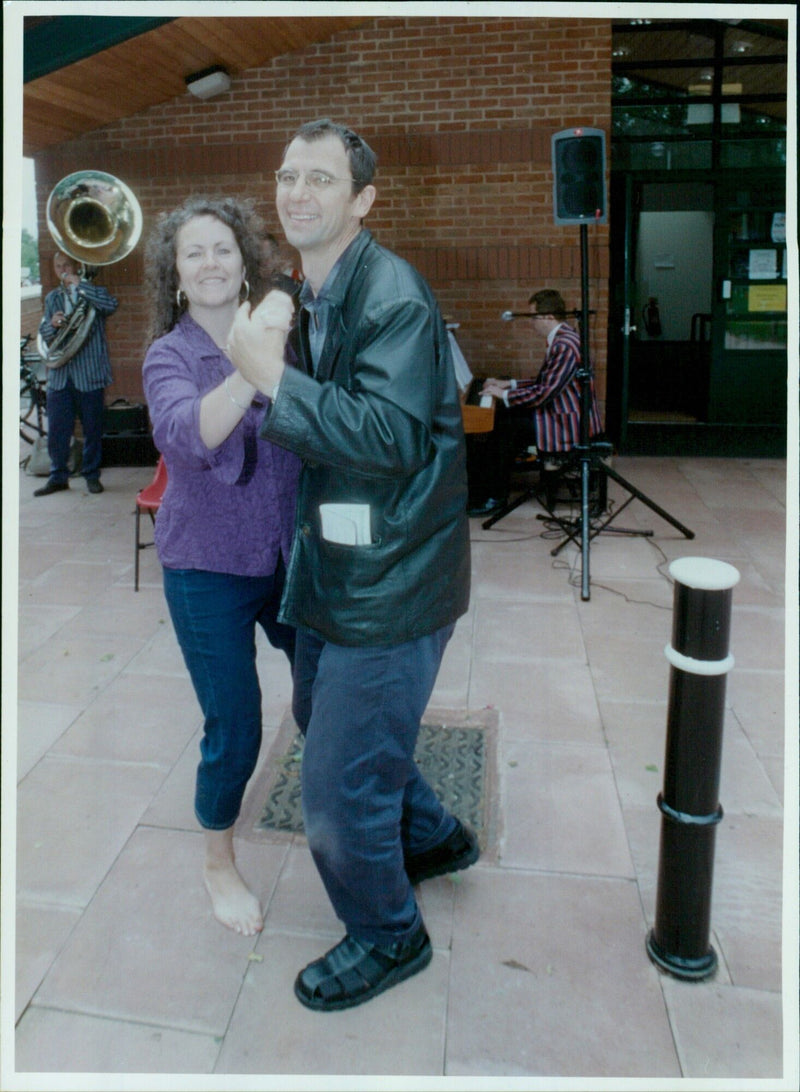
(127, 437)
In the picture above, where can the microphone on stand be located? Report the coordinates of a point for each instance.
(507, 316)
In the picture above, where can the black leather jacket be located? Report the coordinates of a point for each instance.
(379, 425)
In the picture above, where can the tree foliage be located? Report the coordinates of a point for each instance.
(29, 255)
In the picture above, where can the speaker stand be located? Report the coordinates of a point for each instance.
(588, 456)
(596, 464)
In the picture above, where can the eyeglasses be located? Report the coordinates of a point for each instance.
(315, 180)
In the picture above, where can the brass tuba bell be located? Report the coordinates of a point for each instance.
(94, 218)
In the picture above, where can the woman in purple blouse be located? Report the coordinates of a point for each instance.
(225, 526)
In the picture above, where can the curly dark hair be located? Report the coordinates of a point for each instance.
(160, 272)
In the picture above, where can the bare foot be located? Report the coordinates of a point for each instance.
(233, 903)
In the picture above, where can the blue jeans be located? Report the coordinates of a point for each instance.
(215, 615)
(62, 409)
(364, 798)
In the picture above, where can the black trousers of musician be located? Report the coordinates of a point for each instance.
(63, 407)
(491, 456)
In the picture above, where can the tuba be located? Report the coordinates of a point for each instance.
(95, 219)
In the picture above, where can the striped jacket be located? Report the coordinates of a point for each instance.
(90, 368)
(554, 395)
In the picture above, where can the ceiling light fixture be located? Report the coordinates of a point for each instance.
(209, 82)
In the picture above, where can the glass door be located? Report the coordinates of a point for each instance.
(667, 307)
(748, 374)
(697, 357)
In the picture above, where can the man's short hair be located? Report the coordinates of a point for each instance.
(360, 156)
(549, 302)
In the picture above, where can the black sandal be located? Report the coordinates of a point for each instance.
(354, 972)
(459, 850)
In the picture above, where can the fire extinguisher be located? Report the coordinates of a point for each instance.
(652, 317)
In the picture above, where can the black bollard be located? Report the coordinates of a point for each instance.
(689, 803)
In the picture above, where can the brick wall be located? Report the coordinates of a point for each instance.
(460, 112)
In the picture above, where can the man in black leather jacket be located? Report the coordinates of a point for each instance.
(380, 565)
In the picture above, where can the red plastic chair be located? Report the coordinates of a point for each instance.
(148, 500)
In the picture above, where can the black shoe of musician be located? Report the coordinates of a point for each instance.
(94, 486)
(459, 850)
(50, 487)
(486, 508)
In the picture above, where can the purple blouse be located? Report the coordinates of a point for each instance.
(229, 509)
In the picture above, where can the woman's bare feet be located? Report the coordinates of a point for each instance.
(233, 903)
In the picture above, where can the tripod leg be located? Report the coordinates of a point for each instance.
(504, 511)
(571, 531)
(646, 500)
(600, 528)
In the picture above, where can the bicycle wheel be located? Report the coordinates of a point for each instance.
(32, 404)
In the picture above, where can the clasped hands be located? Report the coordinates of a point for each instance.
(257, 339)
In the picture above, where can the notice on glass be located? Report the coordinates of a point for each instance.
(763, 265)
(766, 297)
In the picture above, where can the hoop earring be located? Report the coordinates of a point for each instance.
(246, 287)
(180, 299)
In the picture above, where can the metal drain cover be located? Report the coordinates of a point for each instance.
(452, 758)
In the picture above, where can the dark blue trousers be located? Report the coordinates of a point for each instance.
(364, 798)
(215, 617)
(63, 407)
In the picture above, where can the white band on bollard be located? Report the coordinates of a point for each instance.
(704, 573)
(698, 667)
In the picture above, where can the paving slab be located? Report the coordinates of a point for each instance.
(148, 950)
(550, 978)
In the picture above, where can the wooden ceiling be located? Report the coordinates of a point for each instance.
(150, 68)
(84, 73)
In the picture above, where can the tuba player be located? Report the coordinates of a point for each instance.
(76, 384)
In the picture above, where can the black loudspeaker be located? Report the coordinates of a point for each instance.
(579, 176)
(127, 439)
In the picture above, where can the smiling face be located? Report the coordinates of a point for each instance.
(320, 222)
(209, 264)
